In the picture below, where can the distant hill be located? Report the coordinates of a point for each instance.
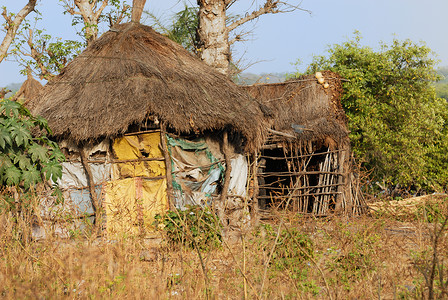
(251, 78)
(443, 71)
(442, 85)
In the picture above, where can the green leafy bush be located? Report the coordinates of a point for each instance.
(291, 256)
(292, 250)
(432, 212)
(357, 258)
(195, 227)
(26, 160)
(397, 123)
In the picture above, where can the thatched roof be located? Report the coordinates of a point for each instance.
(132, 72)
(306, 103)
(29, 90)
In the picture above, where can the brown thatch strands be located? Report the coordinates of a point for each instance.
(306, 102)
(29, 90)
(132, 72)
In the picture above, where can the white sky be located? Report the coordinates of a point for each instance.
(279, 40)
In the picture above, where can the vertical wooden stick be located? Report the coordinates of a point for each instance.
(255, 216)
(91, 183)
(343, 187)
(168, 173)
(223, 201)
(244, 267)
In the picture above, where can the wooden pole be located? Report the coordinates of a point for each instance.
(90, 182)
(345, 193)
(169, 174)
(223, 201)
(255, 208)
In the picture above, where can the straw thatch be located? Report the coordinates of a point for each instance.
(29, 90)
(305, 102)
(132, 72)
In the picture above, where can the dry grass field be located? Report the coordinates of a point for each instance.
(388, 254)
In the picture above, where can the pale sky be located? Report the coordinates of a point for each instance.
(279, 40)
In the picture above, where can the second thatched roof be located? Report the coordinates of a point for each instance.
(132, 72)
(305, 108)
(29, 90)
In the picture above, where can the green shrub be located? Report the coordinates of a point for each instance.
(292, 250)
(26, 159)
(195, 227)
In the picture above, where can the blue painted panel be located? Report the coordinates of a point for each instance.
(81, 199)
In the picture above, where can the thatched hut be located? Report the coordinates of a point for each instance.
(29, 90)
(306, 159)
(141, 121)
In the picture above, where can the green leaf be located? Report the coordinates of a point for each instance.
(38, 153)
(21, 135)
(31, 177)
(57, 155)
(5, 137)
(10, 108)
(23, 161)
(13, 175)
(58, 194)
(52, 170)
(42, 123)
(5, 163)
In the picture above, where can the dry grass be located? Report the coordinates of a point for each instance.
(348, 258)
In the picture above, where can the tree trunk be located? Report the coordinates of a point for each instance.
(137, 10)
(213, 35)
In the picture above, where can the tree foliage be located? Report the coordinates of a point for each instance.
(26, 159)
(397, 123)
(181, 28)
(37, 50)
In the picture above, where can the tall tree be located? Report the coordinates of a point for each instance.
(213, 31)
(46, 55)
(12, 25)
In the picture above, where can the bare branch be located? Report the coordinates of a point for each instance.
(240, 37)
(87, 9)
(229, 3)
(5, 15)
(121, 15)
(13, 25)
(269, 7)
(37, 56)
(100, 10)
(70, 8)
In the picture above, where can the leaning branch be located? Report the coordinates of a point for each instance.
(12, 25)
(269, 7)
(100, 10)
(37, 56)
